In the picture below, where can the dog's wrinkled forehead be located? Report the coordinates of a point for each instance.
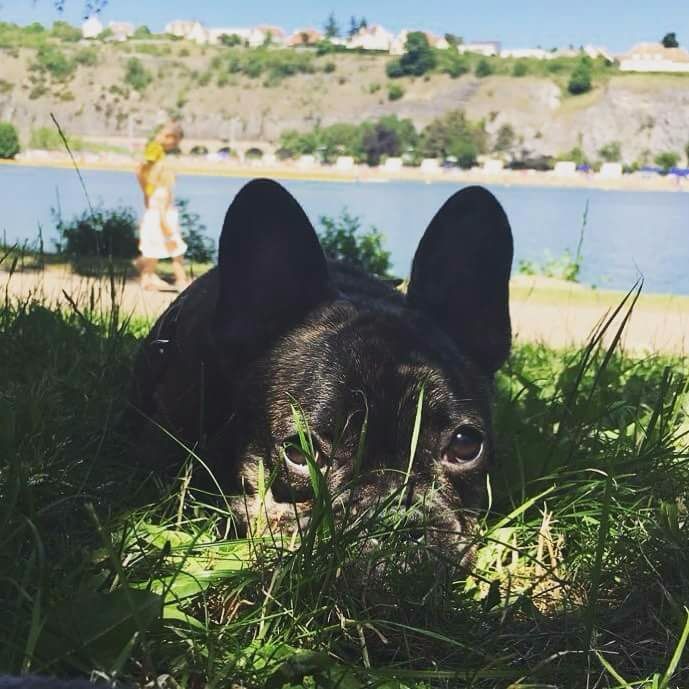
(376, 366)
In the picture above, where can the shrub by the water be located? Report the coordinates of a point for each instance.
(667, 160)
(200, 249)
(343, 240)
(49, 139)
(9, 140)
(100, 233)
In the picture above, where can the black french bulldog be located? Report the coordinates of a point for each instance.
(277, 324)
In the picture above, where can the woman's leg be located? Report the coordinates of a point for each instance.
(179, 272)
(147, 268)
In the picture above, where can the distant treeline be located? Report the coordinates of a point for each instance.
(452, 136)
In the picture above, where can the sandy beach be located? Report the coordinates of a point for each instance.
(194, 165)
(549, 311)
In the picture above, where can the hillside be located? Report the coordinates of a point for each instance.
(222, 95)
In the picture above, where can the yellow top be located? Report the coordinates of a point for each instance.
(153, 153)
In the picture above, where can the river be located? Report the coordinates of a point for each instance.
(628, 234)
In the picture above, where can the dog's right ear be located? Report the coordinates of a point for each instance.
(272, 270)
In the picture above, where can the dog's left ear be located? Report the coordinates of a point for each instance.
(272, 270)
(460, 275)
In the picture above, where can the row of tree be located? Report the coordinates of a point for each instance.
(450, 137)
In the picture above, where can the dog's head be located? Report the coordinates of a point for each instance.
(364, 364)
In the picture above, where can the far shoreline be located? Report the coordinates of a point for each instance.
(363, 174)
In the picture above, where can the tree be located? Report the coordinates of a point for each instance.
(381, 140)
(686, 152)
(505, 138)
(332, 29)
(136, 75)
(611, 153)
(9, 140)
(580, 81)
(65, 32)
(667, 160)
(670, 40)
(142, 32)
(417, 59)
(454, 135)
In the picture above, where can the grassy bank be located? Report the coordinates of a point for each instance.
(581, 574)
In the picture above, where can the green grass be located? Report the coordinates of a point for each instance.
(582, 571)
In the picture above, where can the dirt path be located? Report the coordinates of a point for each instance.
(542, 311)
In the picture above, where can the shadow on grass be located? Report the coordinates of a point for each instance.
(585, 547)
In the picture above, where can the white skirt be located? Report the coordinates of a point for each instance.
(152, 239)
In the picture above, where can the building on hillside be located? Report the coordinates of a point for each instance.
(654, 57)
(438, 42)
(304, 37)
(485, 48)
(373, 37)
(596, 51)
(189, 30)
(121, 31)
(92, 27)
(521, 53)
(398, 43)
(179, 28)
(199, 34)
(277, 34)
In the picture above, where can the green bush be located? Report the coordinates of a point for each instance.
(611, 153)
(505, 138)
(99, 233)
(395, 92)
(87, 57)
(142, 32)
(453, 135)
(9, 140)
(351, 139)
(520, 68)
(452, 63)
(136, 75)
(667, 160)
(49, 139)
(484, 68)
(342, 240)
(64, 31)
(51, 59)
(417, 59)
(580, 81)
(271, 63)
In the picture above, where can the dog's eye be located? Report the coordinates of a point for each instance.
(294, 453)
(466, 445)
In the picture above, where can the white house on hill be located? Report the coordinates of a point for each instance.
(121, 31)
(92, 27)
(485, 48)
(373, 37)
(654, 57)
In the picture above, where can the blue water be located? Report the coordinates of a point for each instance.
(628, 233)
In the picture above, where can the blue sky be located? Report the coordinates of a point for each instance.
(524, 23)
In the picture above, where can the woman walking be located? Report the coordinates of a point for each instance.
(159, 234)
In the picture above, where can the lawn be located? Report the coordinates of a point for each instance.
(581, 577)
